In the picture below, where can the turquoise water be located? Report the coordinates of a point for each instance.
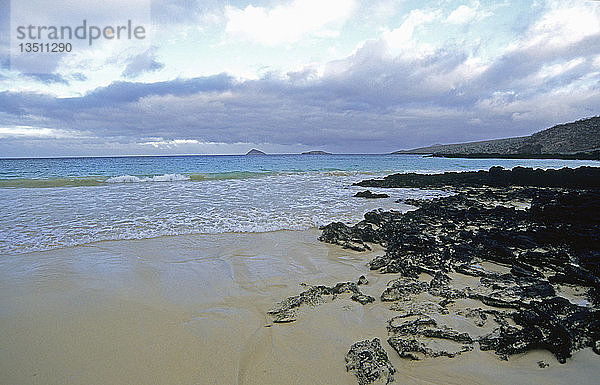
(202, 167)
(52, 203)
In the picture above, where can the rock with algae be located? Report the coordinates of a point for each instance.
(285, 311)
(370, 363)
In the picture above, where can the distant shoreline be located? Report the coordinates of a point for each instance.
(595, 155)
(578, 156)
(576, 140)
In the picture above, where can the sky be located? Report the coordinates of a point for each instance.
(344, 76)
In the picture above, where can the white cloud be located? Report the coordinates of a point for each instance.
(430, 78)
(554, 70)
(461, 15)
(68, 13)
(465, 14)
(161, 143)
(401, 38)
(35, 132)
(562, 26)
(463, 73)
(287, 24)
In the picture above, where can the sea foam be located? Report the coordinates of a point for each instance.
(155, 178)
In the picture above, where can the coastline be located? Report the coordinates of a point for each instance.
(510, 263)
(192, 309)
(591, 155)
(177, 309)
(300, 193)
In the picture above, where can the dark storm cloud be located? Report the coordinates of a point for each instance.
(368, 102)
(515, 66)
(48, 78)
(144, 62)
(119, 94)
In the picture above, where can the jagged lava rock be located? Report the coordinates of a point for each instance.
(370, 363)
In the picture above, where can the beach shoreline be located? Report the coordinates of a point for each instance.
(193, 309)
(177, 309)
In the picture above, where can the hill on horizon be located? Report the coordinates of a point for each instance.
(255, 152)
(569, 138)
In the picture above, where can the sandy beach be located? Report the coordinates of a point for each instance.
(193, 310)
(299, 192)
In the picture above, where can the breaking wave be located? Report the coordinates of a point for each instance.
(156, 178)
(194, 177)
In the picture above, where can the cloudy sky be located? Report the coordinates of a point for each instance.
(346, 76)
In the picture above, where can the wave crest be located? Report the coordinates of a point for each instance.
(156, 178)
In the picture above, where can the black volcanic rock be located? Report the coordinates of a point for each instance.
(401, 288)
(285, 311)
(317, 152)
(410, 347)
(554, 324)
(370, 363)
(369, 195)
(418, 337)
(553, 240)
(582, 177)
(255, 152)
(524, 244)
(582, 155)
(353, 238)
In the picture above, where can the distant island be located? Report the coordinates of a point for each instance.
(259, 152)
(255, 152)
(576, 140)
(316, 153)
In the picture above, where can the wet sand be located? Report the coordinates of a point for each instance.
(192, 310)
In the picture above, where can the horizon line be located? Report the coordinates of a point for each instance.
(167, 155)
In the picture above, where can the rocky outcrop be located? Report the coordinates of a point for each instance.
(285, 311)
(402, 288)
(370, 363)
(582, 136)
(539, 239)
(582, 177)
(554, 324)
(369, 195)
(525, 252)
(353, 238)
(421, 337)
(316, 152)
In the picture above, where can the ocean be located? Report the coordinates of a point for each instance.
(54, 203)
